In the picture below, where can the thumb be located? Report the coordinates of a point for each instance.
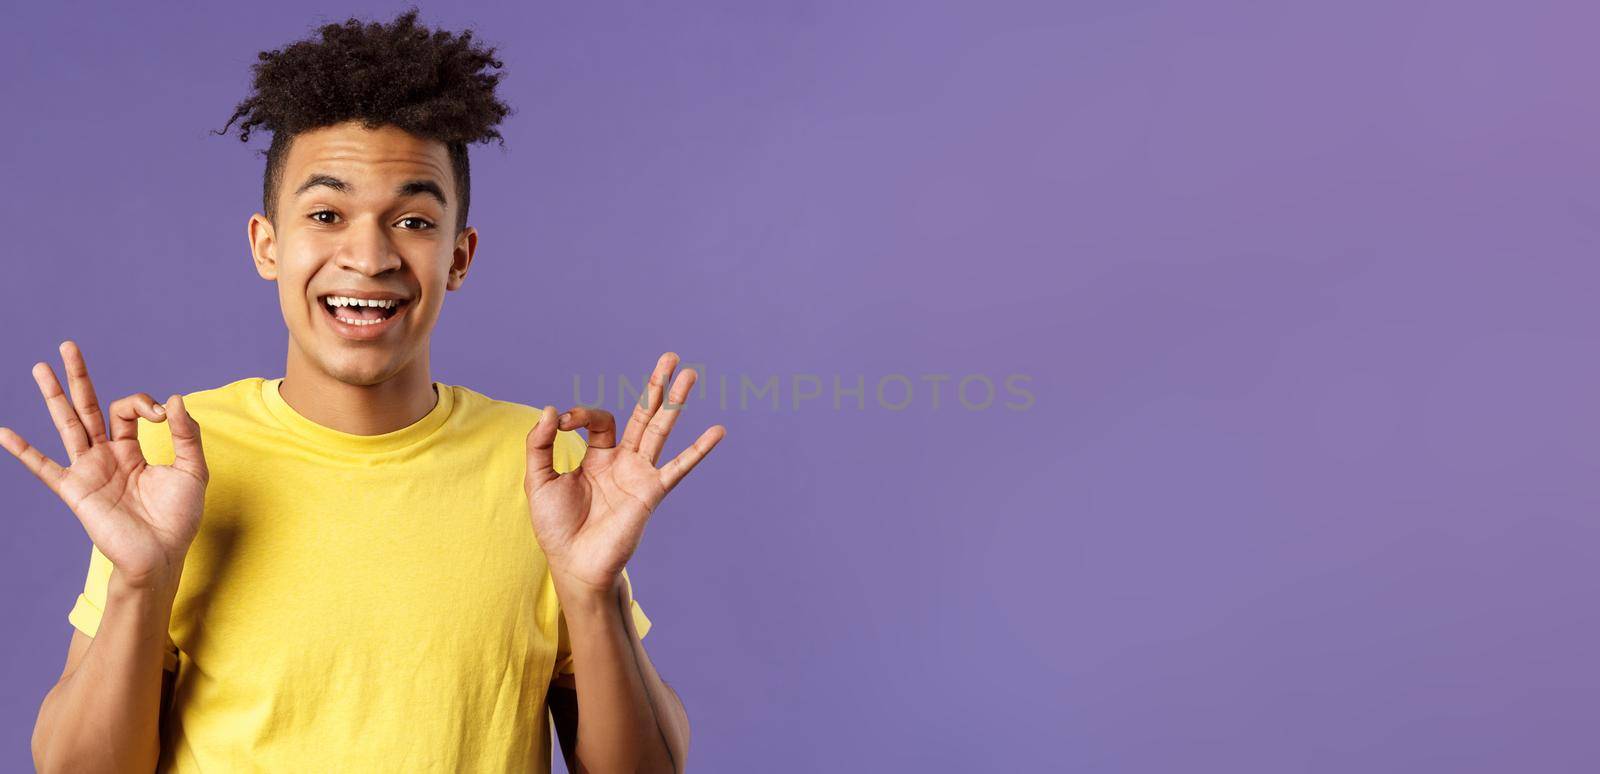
(188, 455)
(541, 444)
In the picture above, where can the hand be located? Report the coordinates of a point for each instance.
(142, 517)
(589, 521)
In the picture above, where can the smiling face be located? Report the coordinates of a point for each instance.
(365, 213)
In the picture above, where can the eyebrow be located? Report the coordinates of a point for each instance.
(408, 188)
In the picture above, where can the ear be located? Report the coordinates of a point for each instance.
(263, 246)
(461, 258)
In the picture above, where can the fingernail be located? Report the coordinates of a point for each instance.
(563, 418)
(159, 409)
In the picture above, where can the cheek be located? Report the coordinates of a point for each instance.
(294, 295)
(297, 308)
(295, 271)
(423, 311)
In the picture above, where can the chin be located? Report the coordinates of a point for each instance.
(360, 374)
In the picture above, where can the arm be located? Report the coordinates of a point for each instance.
(633, 715)
(103, 714)
(589, 521)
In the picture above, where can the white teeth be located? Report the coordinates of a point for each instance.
(337, 301)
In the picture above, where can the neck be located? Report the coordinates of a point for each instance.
(358, 409)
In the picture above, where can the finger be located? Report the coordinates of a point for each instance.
(125, 413)
(655, 433)
(634, 433)
(73, 436)
(674, 471)
(602, 426)
(42, 467)
(83, 396)
(541, 443)
(187, 453)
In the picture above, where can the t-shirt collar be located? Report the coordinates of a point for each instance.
(330, 438)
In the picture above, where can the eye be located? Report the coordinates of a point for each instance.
(314, 215)
(426, 224)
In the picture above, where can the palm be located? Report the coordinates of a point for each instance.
(596, 514)
(141, 516)
(589, 521)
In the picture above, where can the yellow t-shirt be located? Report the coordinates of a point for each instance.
(359, 603)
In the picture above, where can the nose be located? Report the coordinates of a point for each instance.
(368, 249)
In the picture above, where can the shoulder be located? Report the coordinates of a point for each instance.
(209, 407)
(516, 420)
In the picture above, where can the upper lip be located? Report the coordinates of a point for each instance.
(366, 294)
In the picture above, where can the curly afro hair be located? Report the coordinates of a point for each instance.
(433, 84)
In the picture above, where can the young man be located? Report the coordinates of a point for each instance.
(361, 569)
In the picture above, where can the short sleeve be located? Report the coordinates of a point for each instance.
(564, 644)
(85, 615)
(91, 603)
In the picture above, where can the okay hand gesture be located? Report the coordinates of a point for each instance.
(142, 517)
(589, 521)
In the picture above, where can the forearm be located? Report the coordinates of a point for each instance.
(672, 719)
(629, 720)
(105, 715)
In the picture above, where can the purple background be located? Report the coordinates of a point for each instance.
(1306, 295)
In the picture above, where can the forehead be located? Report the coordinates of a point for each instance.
(352, 151)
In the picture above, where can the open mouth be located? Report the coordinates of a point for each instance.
(360, 312)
